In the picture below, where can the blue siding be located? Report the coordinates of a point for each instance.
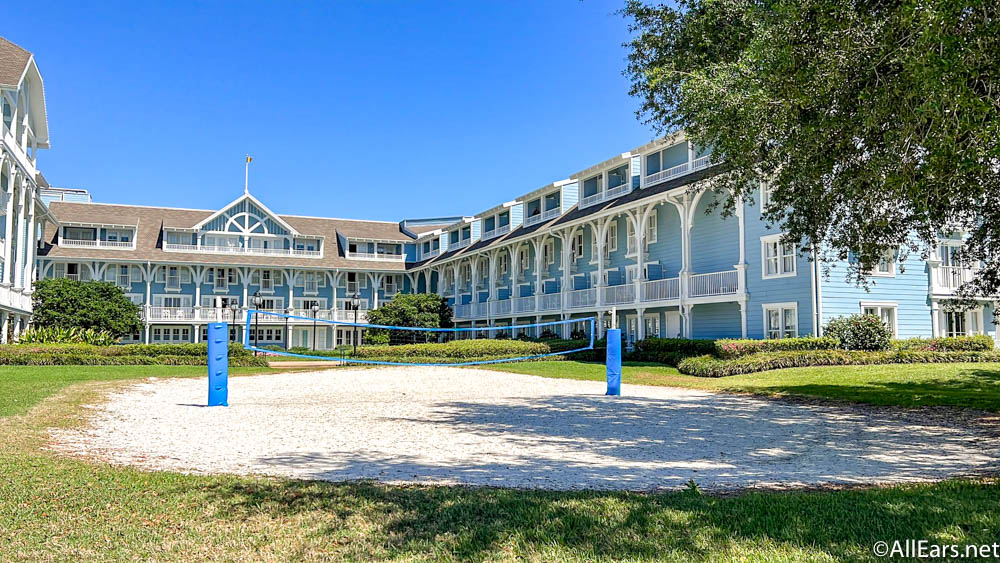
(570, 195)
(666, 251)
(716, 320)
(797, 288)
(715, 243)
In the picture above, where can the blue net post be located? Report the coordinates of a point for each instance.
(614, 338)
(218, 365)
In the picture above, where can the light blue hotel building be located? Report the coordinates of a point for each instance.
(633, 233)
(630, 234)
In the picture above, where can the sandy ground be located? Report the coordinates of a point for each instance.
(477, 427)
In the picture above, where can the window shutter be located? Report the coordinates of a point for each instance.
(59, 270)
(161, 274)
(135, 274)
(109, 272)
(185, 275)
(255, 277)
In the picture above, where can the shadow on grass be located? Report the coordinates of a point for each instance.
(974, 389)
(487, 523)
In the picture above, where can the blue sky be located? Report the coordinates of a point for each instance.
(372, 110)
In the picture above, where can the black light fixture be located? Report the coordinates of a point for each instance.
(355, 304)
(315, 310)
(256, 300)
(235, 308)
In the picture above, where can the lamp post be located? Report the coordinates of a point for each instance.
(288, 337)
(234, 307)
(315, 309)
(256, 300)
(355, 303)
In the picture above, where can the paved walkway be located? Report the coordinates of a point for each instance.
(477, 427)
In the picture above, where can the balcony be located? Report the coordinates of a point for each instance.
(524, 305)
(619, 294)
(497, 232)
(606, 195)
(679, 170)
(542, 217)
(661, 290)
(204, 249)
(430, 254)
(501, 307)
(550, 302)
(582, 298)
(713, 284)
(460, 244)
(15, 298)
(380, 256)
(947, 279)
(463, 311)
(103, 244)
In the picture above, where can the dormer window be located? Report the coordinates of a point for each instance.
(592, 186)
(618, 177)
(466, 233)
(503, 219)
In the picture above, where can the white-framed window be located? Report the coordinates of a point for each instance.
(549, 252)
(765, 195)
(577, 247)
(611, 239)
(135, 274)
(220, 278)
(136, 298)
(391, 284)
(306, 303)
(629, 239)
(777, 258)
(523, 259)
(884, 311)
(502, 264)
(265, 279)
(631, 273)
(781, 320)
(886, 265)
(962, 323)
(651, 230)
(651, 322)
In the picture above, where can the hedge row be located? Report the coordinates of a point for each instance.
(154, 350)
(458, 349)
(980, 343)
(710, 366)
(9, 358)
(736, 348)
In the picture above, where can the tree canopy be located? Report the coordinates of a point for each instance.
(874, 124)
(426, 310)
(66, 303)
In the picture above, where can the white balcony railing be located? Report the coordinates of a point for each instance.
(204, 249)
(15, 298)
(524, 304)
(501, 307)
(497, 232)
(463, 311)
(679, 170)
(480, 309)
(582, 298)
(549, 301)
(544, 216)
(605, 195)
(949, 278)
(619, 294)
(661, 290)
(375, 256)
(460, 244)
(715, 283)
(109, 244)
(430, 254)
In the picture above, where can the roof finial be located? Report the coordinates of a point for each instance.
(246, 177)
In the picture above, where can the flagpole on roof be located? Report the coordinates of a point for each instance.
(246, 177)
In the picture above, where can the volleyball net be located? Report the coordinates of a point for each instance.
(362, 343)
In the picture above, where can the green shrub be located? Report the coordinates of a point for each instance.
(152, 350)
(710, 366)
(979, 343)
(66, 303)
(669, 350)
(860, 332)
(66, 335)
(457, 349)
(12, 357)
(735, 348)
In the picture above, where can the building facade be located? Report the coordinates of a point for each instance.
(637, 233)
(23, 215)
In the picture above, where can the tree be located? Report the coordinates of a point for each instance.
(425, 310)
(66, 303)
(874, 124)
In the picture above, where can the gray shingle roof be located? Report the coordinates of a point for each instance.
(13, 60)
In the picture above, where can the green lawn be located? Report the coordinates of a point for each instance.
(22, 387)
(974, 386)
(57, 508)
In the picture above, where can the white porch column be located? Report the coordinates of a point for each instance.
(567, 254)
(598, 229)
(9, 230)
(4, 326)
(641, 324)
(743, 317)
(539, 246)
(22, 217)
(599, 329)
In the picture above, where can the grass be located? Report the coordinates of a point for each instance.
(975, 386)
(57, 508)
(22, 387)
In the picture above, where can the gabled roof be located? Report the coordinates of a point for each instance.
(13, 62)
(256, 202)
